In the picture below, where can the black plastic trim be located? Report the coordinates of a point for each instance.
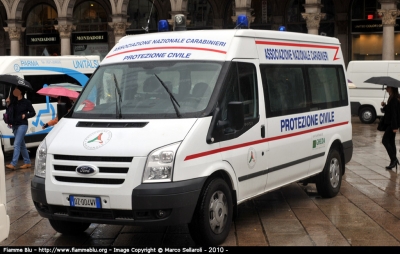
(92, 158)
(178, 199)
(286, 165)
(347, 150)
(38, 192)
(112, 124)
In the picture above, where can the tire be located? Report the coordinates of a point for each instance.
(328, 182)
(367, 115)
(68, 227)
(212, 218)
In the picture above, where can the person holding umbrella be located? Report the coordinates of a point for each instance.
(391, 121)
(68, 104)
(23, 110)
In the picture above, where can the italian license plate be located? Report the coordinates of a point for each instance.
(79, 201)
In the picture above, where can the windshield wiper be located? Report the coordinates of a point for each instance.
(117, 105)
(171, 96)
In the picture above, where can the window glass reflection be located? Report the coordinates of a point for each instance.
(41, 19)
(90, 16)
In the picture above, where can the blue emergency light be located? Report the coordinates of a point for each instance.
(163, 26)
(242, 22)
(282, 28)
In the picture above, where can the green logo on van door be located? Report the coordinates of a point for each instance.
(318, 143)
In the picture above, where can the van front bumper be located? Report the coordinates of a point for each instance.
(157, 204)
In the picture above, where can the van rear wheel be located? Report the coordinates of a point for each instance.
(212, 218)
(68, 227)
(367, 115)
(328, 182)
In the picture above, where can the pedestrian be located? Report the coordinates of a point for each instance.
(391, 121)
(22, 111)
(68, 104)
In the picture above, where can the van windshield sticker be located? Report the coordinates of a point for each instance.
(298, 51)
(190, 41)
(170, 54)
(296, 123)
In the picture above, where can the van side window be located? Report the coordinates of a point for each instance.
(291, 89)
(343, 87)
(286, 89)
(327, 86)
(241, 86)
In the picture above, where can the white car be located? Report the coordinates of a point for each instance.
(4, 219)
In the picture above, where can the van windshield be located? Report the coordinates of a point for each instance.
(135, 91)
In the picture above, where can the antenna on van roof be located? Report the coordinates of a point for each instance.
(148, 20)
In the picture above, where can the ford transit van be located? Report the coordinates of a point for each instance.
(182, 127)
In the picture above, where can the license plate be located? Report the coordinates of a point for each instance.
(79, 201)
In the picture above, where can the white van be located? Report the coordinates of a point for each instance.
(182, 127)
(4, 218)
(41, 71)
(366, 98)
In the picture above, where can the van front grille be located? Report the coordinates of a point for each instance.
(89, 180)
(101, 169)
(92, 158)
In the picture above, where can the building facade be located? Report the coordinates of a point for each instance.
(367, 29)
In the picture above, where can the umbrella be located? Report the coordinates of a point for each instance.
(58, 91)
(13, 80)
(69, 86)
(384, 80)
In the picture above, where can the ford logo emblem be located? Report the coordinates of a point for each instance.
(87, 169)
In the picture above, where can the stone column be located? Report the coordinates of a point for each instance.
(313, 15)
(119, 25)
(65, 28)
(388, 13)
(14, 30)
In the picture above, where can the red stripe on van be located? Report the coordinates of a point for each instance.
(300, 45)
(228, 148)
(170, 47)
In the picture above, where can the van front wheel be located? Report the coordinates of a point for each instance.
(328, 182)
(68, 227)
(212, 218)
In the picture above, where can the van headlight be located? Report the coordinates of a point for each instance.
(160, 164)
(40, 161)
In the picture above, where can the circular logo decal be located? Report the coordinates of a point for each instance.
(251, 157)
(87, 170)
(16, 67)
(97, 139)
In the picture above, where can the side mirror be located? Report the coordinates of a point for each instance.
(61, 110)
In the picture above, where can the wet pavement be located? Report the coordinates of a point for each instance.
(365, 213)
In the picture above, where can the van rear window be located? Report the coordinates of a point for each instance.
(291, 89)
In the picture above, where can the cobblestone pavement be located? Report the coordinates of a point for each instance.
(365, 213)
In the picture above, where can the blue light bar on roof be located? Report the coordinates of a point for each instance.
(242, 22)
(163, 26)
